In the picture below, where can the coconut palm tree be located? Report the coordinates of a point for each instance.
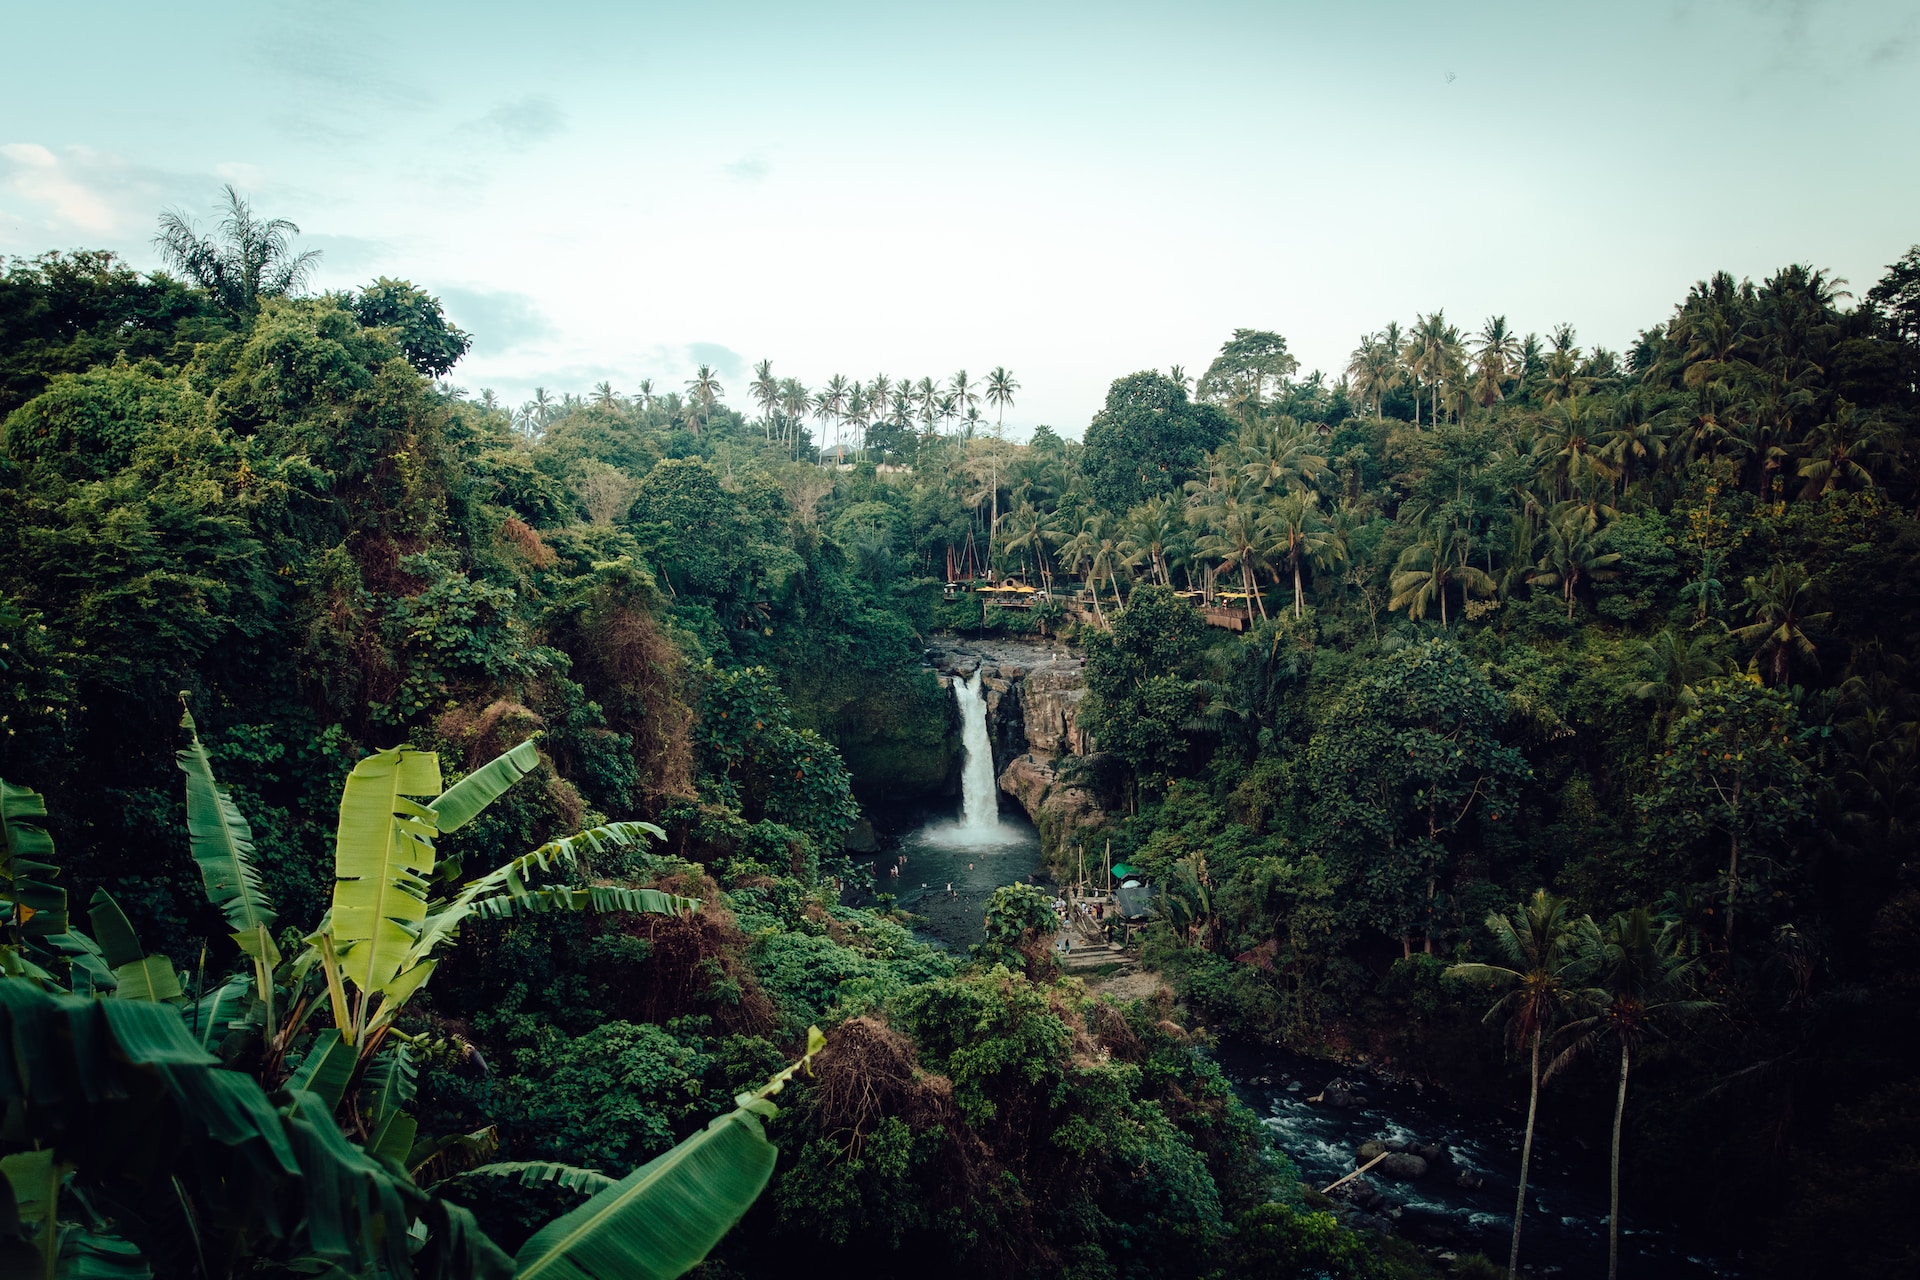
(765, 390)
(1496, 352)
(927, 394)
(1573, 556)
(1280, 459)
(1000, 390)
(1835, 452)
(1094, 552)
(964, 391)
(1779, 604)
(1375, 368)
(1033, 532)
(705, 391)
(795, 402)
(1300, 538)
(1679, 668)
(1643, 988)
(1151, 529)
(1430, 568)
(644, 394)
(1543, 959)
(1235, 539)
(252, 259)
(1433, 353)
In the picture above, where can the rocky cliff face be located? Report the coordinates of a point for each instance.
(1043, 759)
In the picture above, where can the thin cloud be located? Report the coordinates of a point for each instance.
(500, 320)
(82, 191)
(518, 124)
(748, 169)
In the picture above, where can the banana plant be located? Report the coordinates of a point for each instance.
(663, 1218)
(152, 1042)
(380, 935)
(222, 846)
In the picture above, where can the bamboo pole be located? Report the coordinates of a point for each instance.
(1356, 1173)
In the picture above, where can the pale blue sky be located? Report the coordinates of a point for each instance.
(1074, 191)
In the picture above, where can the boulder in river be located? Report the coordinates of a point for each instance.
(1402, 1166)
(1431, 1152)
(1468, 1180)
(1368, 1150)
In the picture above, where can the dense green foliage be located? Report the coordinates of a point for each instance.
(259, 502)
(1640, 629)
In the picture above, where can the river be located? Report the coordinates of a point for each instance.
(1565, 1228)
(949, 865)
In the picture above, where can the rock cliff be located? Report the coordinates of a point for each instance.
(1041, 755)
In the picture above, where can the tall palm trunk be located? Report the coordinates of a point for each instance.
(1526, 1159)
(1613, 1207)
(1297, 608)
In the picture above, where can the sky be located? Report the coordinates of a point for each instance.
(1074, 191)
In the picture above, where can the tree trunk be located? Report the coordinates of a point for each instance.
(1526, 1159)
(1733, 858)
(1297, 610)
(1613, 1210)
(1443, 600)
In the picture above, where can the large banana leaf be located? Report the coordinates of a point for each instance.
(464, 800)
(33, 906)
(664, 1217)
(543, 1173)
(599, 897)
(222, 843)
(512, 877)
(137, 975)
(108, 1079)
(383, 849)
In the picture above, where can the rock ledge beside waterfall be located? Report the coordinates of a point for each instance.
(1042, 758)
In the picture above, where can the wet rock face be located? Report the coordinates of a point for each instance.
(1042, 757)
(1049, 707)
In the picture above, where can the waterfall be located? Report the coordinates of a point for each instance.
(979, 795)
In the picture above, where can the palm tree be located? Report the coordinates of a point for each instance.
(1635, 438)
(1543, 961)
(1032, 531)
(795, 401)
(1235, 539)
(1300, 538)
(1679, 669)
(1096, 551)
(1280, 459)
(927, 392)
(705, 391)
(1496, 352)
(1573, 556)
(1000, 388)
(830, 403)
(252, 259)
(644, 394)
(765, 390)
(1151, 529)
(1431, 354)
(1643, 986)
(604, 397)
(1426, 571)
(1373, 370)
(961, 388)
(1834, 452)
(1778, 604)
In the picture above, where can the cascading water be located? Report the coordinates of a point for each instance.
(979, 826)
(979, 796)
